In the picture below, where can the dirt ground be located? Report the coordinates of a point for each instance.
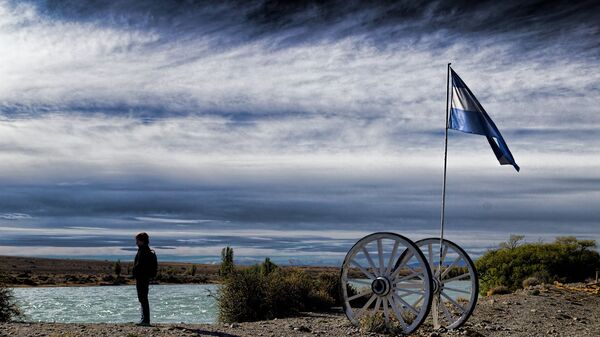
(554, 312)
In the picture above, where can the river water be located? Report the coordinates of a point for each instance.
(169, 303)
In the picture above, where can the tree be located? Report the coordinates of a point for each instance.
(9, 309)
(267, 267)
(513, 242)
(117, 268)
(227, 266)
(192, 270)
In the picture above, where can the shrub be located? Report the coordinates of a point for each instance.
(267, 267)
(330, 285)
(251, 294)
(498, 290)
(242, 297)
(530, 282)
(375, 323)
(566, 259)
(192, 270)
(9, 309)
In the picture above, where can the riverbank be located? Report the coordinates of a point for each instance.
(551, 312)
(33, 271)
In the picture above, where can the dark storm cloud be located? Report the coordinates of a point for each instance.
(306, 20)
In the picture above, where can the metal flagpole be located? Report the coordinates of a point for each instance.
(445, 165)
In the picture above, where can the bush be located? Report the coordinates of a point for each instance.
(375, 323)
(253, 294)
(566, 260)
(8, 307)
(498, 290)
(530, 282)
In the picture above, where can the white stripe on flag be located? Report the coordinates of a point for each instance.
(461, 99)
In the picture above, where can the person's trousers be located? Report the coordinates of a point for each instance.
(143, 287)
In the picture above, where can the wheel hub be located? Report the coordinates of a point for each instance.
(381, 286)
(437, 286)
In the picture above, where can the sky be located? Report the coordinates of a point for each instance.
(290, 129)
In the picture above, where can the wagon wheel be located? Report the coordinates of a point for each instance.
(456, 285)
(375, 285)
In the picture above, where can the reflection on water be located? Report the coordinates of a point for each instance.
(169, 303)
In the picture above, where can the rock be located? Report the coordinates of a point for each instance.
(302, 328)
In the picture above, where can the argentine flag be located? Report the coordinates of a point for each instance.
(467, 115)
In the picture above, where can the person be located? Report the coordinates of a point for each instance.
(144, 269)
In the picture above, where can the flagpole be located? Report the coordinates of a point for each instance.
(445, 166)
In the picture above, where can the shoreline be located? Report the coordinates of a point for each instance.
(24, 272)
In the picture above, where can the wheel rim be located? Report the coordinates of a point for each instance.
(374, 283)
(456, 286)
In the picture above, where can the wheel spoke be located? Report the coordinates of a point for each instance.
(363, 281)
(380, 254)
(386, 313)
(377, 304)
(418, 300)
(409, 292)
(462, 310)
(402, 263)
(450, 266)
(410, 307)
(369, 259)
(435, 312)
(430, 246)
(446, 312)
(398, 313)
(457, 290)
(391, 261)
(361, 311)
(369, 275)
(408, 277)
(456, 278)
(444, 252)
(364, 293)
(409, 286)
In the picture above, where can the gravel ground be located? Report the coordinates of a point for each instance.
(554, 312)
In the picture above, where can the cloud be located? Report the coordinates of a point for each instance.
(278, 115)
(14, 216)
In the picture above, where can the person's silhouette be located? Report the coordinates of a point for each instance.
(144, 268)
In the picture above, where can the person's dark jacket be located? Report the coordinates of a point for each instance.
(143, 264)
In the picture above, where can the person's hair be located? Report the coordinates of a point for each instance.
(143, 236)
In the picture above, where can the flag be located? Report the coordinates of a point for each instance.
(467, 115)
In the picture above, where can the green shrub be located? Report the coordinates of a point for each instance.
(566, 259)
(251, 294)
(9, 309)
